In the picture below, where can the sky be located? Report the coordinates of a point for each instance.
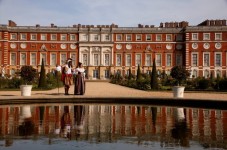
(124, 13)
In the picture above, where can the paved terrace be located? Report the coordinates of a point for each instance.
(104, 92)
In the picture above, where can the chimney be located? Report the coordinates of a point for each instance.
(52, 25)
(224, 22)
(37, 25)
(12, 23)
(212, 22)
(161, 25)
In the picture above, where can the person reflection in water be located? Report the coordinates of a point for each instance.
(79, 112)
(66, 123)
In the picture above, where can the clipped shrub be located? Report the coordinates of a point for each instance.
(203, 84)
(42, 77)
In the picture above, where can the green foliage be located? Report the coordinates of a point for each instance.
(223, 84)
(203, 84)
(129, 74)
(42, 77)
(139, 76)
(53, 80)
(28, 74)
(14, 83)
(180, 74)
(154, 78)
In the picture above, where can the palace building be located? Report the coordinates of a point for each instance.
(108, 49)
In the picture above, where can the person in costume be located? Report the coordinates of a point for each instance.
(79, 80)
(67, 75)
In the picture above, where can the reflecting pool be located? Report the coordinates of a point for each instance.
(101, 127)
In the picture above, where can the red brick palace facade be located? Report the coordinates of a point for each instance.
(107, 49)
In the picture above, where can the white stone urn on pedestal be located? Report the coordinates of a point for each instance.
(26, 90)
(178, 91)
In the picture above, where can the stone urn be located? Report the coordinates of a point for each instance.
(178, 91)
(26, 90)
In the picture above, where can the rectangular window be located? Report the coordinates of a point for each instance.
(73, 56)
(179, 59)
(168, 60)
(138, 59)
(194, 36)
(53, 37)
(138, 37)
(128, 37)
(118, 61)
(95, 74)
(107, 37)
(107, 59)
(13, 36)
(128, 59)
(118, 37)
(23, 59)
(43, 37)
(107, 74)
(85, 59)
(96, 59)
(53, 59)
(218, 59)
(158, 37)
(63, 58)
(148, 37)
(33, 37)
(96, 37)
(72, 37)
(158, 60)
(206, 59)
(44, 58)
(33, 59)
(23, 36)
(63, 37)
(13, 59)
(194, 60)
(206, 36)
(148, 59)
(85, 37)
(168, 37)
(218, 36)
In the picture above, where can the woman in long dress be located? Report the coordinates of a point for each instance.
(79, 80)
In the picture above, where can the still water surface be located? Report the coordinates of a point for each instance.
(102, 127)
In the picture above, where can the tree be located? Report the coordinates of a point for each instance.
(180, 74)
(28, 74)
(154, 79)
(42, 77)
(139, 76)
(129, 74)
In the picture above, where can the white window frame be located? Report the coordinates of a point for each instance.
(96, 61)
(204, 63)
(107, 37)
(192, 59)
(52, 61)
(63, 58)
(169, 37)
(23, 61)
(148, 37)
(157, 61)
(215, 59)
(158, 37)
(73, 56)
(72, 37)
(13, 59)
(148, 62)
(33, 59)
(96, 37)
(195, 36)
(128, 62)
(118, 59)
(13, 36)
(216, 36)
(43, 37)
(118, 37)
(85, 61)
(128, 37)
(206, 36)
(138, 37)
(33, 36)
(106, 60)
(23, 36)
(53, 37)
(138, 60)
(63, 37)
(168, 64)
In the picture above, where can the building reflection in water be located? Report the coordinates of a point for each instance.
(170, 126)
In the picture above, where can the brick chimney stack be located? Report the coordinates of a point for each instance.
(12, 23)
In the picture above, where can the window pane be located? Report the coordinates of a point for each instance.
(194, 59)
(63, 59)
(169, 60)
(128, 60)
(33, 59)
(23, 59)
(118, 63)
(206, 60)
(107, 60)
(158, 60)
(13, 59)
(85, 59)
(218, 60)
(96, 59)
(138, 59)
(148, 60)
(73, 56)
(53, 59)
